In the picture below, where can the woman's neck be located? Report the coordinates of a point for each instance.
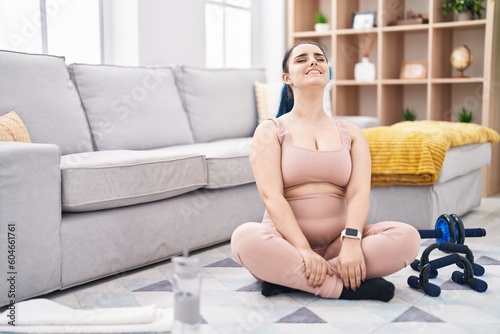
(308, 104)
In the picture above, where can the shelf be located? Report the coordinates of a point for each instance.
(412, 27)
(456, 80)
(356, 31)
(435, 97)
(460, 24)
(312, 34)
(404, 82)
(353, 83)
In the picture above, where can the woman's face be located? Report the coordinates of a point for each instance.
(307, 66)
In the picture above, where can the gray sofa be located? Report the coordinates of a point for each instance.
(127, 167)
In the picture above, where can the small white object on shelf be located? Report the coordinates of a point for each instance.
(321, 27)
(364, 71)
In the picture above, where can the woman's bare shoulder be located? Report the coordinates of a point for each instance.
(266, 127)
(266, 133)
(355, 130)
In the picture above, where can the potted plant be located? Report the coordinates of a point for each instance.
(409, 114)
(465, 115)
(464, 9)
(321, 22)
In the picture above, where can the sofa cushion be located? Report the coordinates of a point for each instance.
(110, 179)
(12, 128)
(220, 103)
(227, 161)
(132, 108)
(39, 89)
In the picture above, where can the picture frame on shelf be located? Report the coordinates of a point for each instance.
(416, 69)
(364, 20)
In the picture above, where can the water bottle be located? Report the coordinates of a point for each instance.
(186, 287)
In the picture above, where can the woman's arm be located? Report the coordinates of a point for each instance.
(351, 260)
(265, 159)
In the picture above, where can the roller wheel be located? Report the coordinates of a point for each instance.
(459, 229)
(445, 224)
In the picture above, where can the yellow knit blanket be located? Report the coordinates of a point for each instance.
(412, 153)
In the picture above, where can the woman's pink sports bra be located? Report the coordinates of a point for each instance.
(301, 165)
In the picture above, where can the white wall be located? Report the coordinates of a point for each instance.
(121, 32)
(164, 32)
(172, 32)
(269, 36)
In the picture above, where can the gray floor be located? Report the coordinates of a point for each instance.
(232, 303)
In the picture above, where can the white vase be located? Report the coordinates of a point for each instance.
(465, 16)
(321, 27)
(364, 71)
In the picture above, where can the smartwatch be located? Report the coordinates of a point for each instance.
(350, 233)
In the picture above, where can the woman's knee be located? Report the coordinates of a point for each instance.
(245, 237)
(411, 241)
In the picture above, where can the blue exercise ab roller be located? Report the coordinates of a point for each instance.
(450, 228)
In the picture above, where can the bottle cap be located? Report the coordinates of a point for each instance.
(186, 265)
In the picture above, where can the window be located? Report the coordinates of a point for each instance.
(228, 33)
(20, 26)
(60, 27)
(74, 30)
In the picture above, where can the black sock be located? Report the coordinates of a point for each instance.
(271, 289)
(375, 288)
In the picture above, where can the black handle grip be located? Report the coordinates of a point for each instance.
(413, 281)
(475, 232)
(432, 289)
(444, 261)
(455, 248)
(478, 285)
(430, 234)
(478, 269)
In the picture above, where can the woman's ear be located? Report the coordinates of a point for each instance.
(286, 78)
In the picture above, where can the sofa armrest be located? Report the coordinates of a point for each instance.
(30, 220)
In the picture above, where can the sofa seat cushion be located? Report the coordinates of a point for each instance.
(104, 180)
(227, 161)
(220, 103)
(132, 108)
(39, 89)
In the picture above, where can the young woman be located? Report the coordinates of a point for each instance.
(313, 175)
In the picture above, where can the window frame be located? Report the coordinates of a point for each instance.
(44, 30)
(223, 4)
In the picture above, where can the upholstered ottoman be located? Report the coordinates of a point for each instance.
(423, 169)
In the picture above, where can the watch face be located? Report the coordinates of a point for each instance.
(351, 232)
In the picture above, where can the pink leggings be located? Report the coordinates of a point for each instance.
(387, 246)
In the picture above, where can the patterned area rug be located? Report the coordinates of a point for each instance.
(231, 301)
